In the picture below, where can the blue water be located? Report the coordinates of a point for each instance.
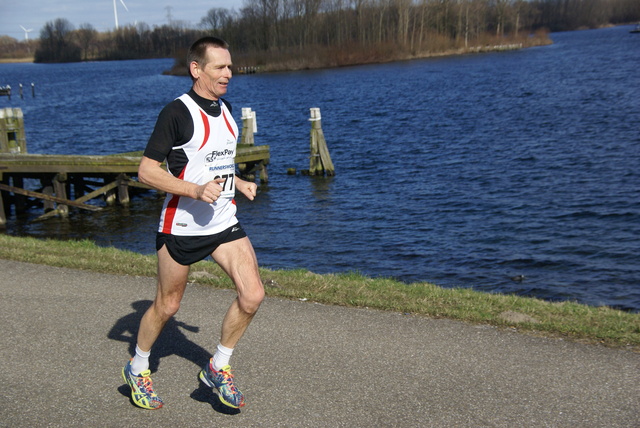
(463, 171)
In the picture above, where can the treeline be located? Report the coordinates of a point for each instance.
(267, 25)
(307, 33)
(61, 42)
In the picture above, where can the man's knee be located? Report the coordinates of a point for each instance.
(250, 302)
(167, 307)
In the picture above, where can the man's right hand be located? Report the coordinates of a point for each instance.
(209, 192)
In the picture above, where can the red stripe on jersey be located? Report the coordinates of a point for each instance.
(172, 207)
(228, 125)
(205, 122)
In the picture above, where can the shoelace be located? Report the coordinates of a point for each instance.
(146, 384)
(228, 380)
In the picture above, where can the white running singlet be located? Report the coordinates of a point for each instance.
(210, 154)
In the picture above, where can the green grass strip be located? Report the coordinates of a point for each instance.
(568, 320)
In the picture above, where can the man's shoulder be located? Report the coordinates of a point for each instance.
(175, 108)
(176, 103)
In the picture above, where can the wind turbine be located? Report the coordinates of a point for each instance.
(115, 11)
(26, 32)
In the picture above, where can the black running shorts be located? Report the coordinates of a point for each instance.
(188, 250)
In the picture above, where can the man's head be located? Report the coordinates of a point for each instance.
(209, 63)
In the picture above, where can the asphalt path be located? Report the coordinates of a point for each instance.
(66, 334)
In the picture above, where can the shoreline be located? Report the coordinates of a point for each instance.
(562, 320)
(301, 64)
(15, 60)
(289, 63)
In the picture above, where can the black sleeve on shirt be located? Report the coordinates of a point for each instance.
(174, 127)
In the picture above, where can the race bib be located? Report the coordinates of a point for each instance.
(221, 165)
(226, 172)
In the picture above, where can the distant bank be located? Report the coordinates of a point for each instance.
(323, 58)
(327, 58)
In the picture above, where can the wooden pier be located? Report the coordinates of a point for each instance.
(58, 182)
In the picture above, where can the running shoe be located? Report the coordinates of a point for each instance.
(142, 392)
(222, 383)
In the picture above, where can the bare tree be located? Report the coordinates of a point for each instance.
(402, 8)
(86, 36)
(216, 19)
(56, 44)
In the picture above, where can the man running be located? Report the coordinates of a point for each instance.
(197, 137)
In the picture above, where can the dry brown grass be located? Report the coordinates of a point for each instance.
(354, 54)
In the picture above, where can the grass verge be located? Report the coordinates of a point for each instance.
(596, 325)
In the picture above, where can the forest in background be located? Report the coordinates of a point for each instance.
(299, 34)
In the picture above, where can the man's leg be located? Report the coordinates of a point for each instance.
(172, 280)
(238, 260)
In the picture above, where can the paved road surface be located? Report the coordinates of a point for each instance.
(66, 335)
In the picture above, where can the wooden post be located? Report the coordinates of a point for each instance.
(123, 189)
(264, 175)
(249, 126)
(4, 134)
(320, 160)
(19, 126)
(12, 139)
(48, 205)
(110, 195)
(60, 189)
(47, 188)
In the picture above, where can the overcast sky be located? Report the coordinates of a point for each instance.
(34, 14)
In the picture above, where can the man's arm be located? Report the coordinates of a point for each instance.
(150, 172)
(247, 188)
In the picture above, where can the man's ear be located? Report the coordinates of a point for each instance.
(194, 69)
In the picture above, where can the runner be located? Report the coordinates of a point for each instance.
(197, 137)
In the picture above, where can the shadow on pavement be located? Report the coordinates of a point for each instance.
(171, 341)
(204, 394)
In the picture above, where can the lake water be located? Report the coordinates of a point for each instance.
(463, 171)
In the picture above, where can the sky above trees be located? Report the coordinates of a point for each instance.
(34, 14)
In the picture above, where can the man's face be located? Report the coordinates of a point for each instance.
(213, 77)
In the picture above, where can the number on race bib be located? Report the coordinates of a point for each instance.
(228, 179)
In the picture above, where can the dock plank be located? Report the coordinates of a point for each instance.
(116, 164)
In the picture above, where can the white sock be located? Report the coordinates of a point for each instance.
(140, 361)
(221, 357)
